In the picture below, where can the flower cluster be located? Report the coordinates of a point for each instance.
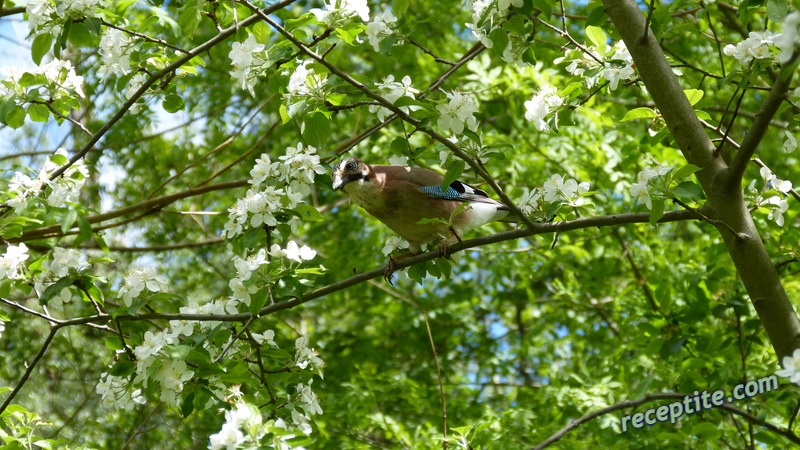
(640, 189)
(305, 82)
(12, 263)
(53, 80)
(63, 262)
(337, 12)
(63, 190)
(394, 243)
(115, 392)
(293, 252)
(305, 357)
(247, 58)
(777, 204)
(568, 192)
(758, 45)
(381, 27)
(392, 90)
(136, 281)
(296, 169)
(457, 112)
(619, 66)
(309, 404)
(115, 49)
(544, 102)
(45, 16)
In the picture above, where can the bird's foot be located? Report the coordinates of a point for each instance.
(387, 274)
(442, 250)
(391, 266)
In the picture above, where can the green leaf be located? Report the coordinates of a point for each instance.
(596, 36)
(261, 31)
(69, 219)
(58, 159)
(688, 189)
(685, 171)
(173, 103)
(38, 112)
(657, 212)
(386, 44)
(639, 113)
(316, 129)
(777, 10)
(114, 343)
(85, 230)
(122, 368)
(41, 45)
(499, 38)
(56, 288)
(189, 18)
(79, 35)
(453, 172)
(694, 95)
(308, 213)
(545, 6)
(399, 7)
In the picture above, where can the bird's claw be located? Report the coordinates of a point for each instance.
(387, 274)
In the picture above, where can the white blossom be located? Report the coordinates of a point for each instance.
(394, 243)
(756, 46)
(381, 27)
(64, 259)
(392, 90)
(457, 113)
(640, 191)
(115, 49)
(336, 11)
(136, 281)
(310, 402)
(229, 438)
(789, 39)
(246, 59)
(172, 375)
(790, 144)
(12, 263)
(780, 207)
(540, 105)
(267, 336)
(293, 252)
(306, 357)
(791, 367)
(115, 393)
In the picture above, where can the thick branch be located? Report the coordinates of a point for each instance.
(663, 86)
(757, 131)
(725, 205)
(539, 228)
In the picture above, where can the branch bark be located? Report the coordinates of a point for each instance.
(725, 205)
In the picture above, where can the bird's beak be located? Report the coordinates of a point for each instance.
(338, 183)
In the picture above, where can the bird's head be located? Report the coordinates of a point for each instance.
(348, 170)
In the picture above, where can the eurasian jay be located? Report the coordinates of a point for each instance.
(401, 196)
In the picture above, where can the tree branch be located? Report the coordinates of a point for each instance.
(157, 202)
(539, 228)
(757, 130)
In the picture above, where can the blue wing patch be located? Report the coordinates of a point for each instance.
(437, 192)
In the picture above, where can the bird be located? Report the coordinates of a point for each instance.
(402, 196)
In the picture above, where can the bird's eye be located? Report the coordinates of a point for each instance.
(350, 166)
